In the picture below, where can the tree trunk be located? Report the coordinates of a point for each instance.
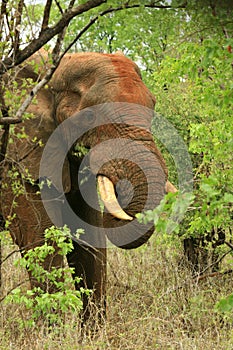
(201, 253)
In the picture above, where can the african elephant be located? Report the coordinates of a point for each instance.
(123, 159)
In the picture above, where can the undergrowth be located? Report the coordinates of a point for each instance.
(153, 303)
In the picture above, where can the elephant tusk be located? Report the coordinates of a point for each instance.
(169, 187)
(107, 194)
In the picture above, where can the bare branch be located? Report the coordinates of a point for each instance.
(6, 128)
(5, 25)
(10, 25)
(59, 6)
(18, 17)
(10, 254)
(215, 263)
(9, 120)
(78, 36)
(56, 60)
(48, 34)
(213, 274)
(60, 38)
(58, 45)
(46, 16)
(18, 117)
(3, 13)
(198, 31)
(229, 244)
(20, 250)
(67, 16)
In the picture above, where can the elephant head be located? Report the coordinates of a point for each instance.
(111, 109)
(107, 104)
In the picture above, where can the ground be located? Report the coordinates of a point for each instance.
(153, 303)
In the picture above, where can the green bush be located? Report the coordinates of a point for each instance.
(42, 304)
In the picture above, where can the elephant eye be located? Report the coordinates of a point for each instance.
(89, 117)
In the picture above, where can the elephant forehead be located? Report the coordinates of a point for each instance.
(100, 78)
(78, 72)
(131, 87)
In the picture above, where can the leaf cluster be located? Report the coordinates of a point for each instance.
(45, 305)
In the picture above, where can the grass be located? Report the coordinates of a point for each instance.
(153, 303)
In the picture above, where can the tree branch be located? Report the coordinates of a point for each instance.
(46, 16)
(56, 60)
(9, 120)
(60, 38)
(67, 16)
(6, 129)
(229, 244)
(2, 14)
(34, 91)
(48, 34)
(213, 274)
(18, 16)
(59, 6)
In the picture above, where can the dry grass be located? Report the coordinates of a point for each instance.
(153, 303)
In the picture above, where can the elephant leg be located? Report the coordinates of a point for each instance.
(88, 260)
(90, 264)
(27, 228)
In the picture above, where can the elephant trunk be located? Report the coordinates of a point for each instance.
(138, 178)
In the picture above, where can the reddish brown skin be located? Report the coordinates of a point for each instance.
(131, 90)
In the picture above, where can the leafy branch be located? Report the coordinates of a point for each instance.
(47, 33)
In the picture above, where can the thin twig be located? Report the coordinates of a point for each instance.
(34, 91)
(59, 6)
(200, 276)
(47, 77)
(20, 250)
(213, 264)
(10, 254)
(13, 288)
(229, 244)
(190, 35)
(213, 274)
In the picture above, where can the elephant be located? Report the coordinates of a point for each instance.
(98, 102)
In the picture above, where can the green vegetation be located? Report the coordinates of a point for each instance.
(60, 297)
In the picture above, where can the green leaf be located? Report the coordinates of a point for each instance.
(225, 305)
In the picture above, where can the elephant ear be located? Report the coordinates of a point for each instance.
(29, 137)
